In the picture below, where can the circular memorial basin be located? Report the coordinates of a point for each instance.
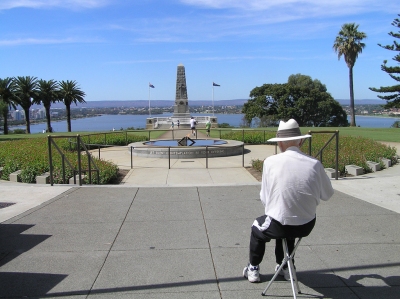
(187, 149)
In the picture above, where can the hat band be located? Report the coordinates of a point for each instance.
(288, 133)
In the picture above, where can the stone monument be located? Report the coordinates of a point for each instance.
(181, 106)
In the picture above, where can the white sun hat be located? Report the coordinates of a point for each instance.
(288, 131)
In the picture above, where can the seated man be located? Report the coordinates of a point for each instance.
(292, 186)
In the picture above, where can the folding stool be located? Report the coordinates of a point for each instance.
(287, 259)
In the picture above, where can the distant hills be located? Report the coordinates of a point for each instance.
(140, 104)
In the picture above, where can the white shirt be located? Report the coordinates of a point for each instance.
(192, 122)
(292, 186)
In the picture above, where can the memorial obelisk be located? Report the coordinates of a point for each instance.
(181, 106)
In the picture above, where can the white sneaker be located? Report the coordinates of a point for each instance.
(252, 273)
(284, 272)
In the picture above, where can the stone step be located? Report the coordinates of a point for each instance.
(354, 170)
(374, 166)
(331, 173)
(15, 176)
(43, 178)
(386, 162)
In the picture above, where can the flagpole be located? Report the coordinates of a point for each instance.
(213, 97)
(149, 102)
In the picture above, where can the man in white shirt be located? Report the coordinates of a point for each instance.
(193, 125)
(292, 186)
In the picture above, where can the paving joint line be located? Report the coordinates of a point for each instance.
(112, 245)
(209, 245)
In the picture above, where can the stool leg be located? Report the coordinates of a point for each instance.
(290, 266)
(288, 259)
(274, 277)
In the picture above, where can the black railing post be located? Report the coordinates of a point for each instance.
(207, 157)
(337, 154)
(78, 141)
(131, 157)
(90, 169)
(243, 155)
(309, 144)
(63, 167)
(50, 160)
(169, 157)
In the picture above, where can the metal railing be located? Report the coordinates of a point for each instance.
(92, 167)
(76, 171)
(335, 134)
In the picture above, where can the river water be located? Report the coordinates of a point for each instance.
(110, 122)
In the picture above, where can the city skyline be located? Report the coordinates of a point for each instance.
(113, 49)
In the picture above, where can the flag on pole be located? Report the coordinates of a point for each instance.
(151, 85)
(215, 84)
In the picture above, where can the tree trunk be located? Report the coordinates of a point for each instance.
(49, 129)
(5, 122)
(353, 116)
(68, 108)
(27, 121)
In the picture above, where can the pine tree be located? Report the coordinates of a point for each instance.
(392, 93)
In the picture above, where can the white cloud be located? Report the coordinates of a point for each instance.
(72, 4)
(37, 41)
(323, 6)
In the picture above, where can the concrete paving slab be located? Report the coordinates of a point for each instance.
(274, 292)
(161, 235)
(54, 273)
(71, 212)
(147, 177)
(167, 194)
(221, 209)
(63, 237)
(158, 271)
(354, 262)
(229, 233)
(110, 294)
(165, 210)
(377, 292)
(25, 197)
(236, 176)
(348, 206)
(213, 193)
(186, 177)
(356, 228)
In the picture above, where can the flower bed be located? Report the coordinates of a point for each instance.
(31, 157)
(352, 150)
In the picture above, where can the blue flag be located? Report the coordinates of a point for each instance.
(215, 84)
(151, 85)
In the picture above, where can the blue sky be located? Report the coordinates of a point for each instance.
(114, 48)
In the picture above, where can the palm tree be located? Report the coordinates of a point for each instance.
(48, 94)
(70, 93)
(348, 43)
(25, 91)
(7, 98)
